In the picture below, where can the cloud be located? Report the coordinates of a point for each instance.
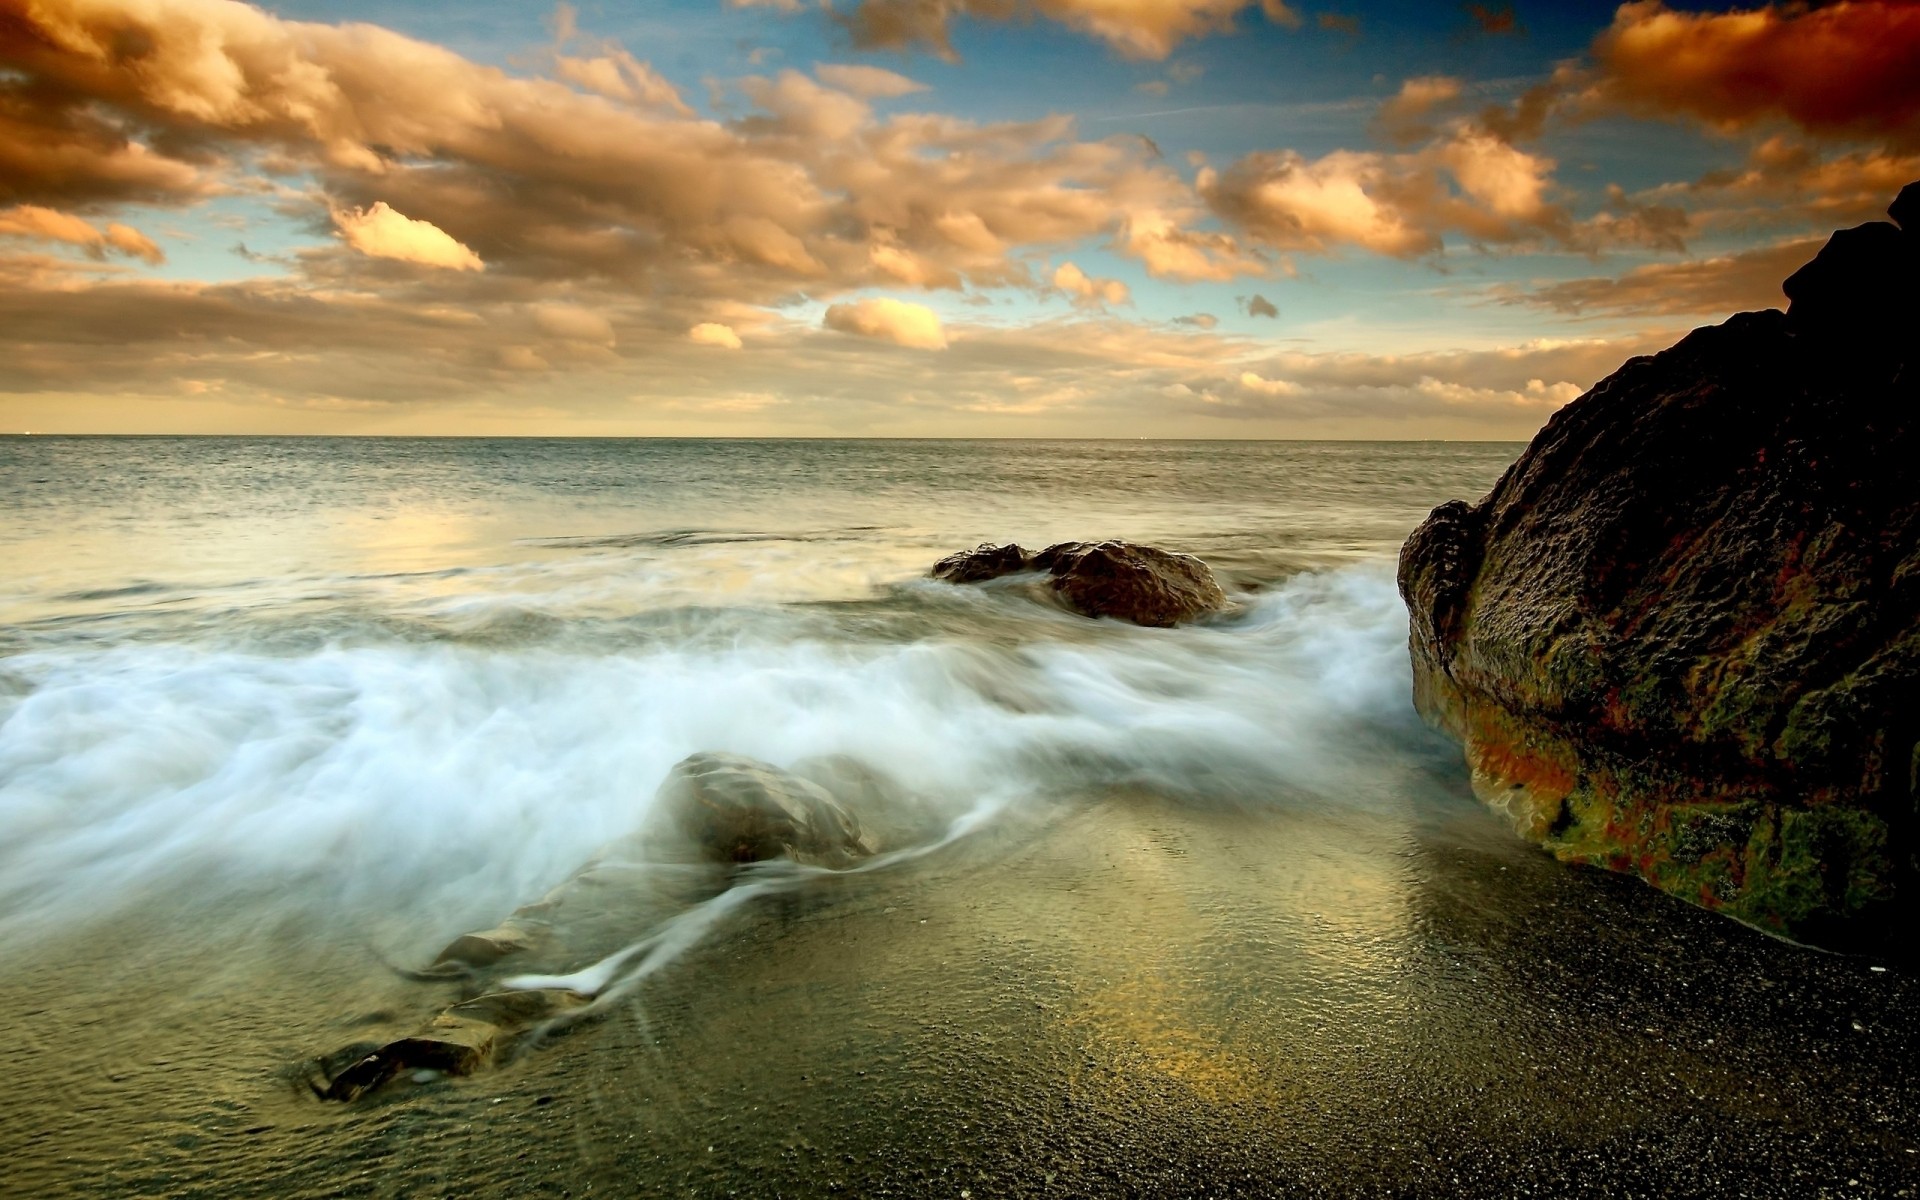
(1517, 386)
(861, 80)
(710, 333)
(279, 355)
(1171, 251)
(889, 320)
(1715, 286)
(1843, 70)
(543, 181)
(32, 221)
(1787, 181)
(571, 322)
(1338, 23)
(1468, 183)
(1198, 320)
(1086, 290)
(618, 75)
(1260, 306)
(1494, 22)
(1262, 386)
(380, 232)
(1139, 29)
(1404, 117)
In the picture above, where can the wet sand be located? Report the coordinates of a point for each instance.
(1127, 996)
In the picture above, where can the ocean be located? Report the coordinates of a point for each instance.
(1183, 911)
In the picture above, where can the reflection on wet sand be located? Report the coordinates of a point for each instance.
(1125, 995)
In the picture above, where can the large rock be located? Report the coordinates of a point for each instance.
(1681, 636)
(1128, 582)
(737, 809)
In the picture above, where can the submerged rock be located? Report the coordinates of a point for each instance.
(1681, 636)
(458, 1041)
(736, 809)
(1127, 582)
(730, 809)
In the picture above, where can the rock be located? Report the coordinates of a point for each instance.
(1141, 584)
(516, 935)
(458, 1041)
(1905, 209)
(1681, 636)
(890, 814)
(738, 810)
(1863, 287)
(1132, 583)
(983, 562)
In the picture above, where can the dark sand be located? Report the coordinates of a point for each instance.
(1129, 997)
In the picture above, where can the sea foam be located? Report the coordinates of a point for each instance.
(445, 780)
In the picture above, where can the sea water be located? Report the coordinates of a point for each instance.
(436, 674)
(1194, 911)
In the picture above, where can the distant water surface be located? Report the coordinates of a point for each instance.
(1199, 911)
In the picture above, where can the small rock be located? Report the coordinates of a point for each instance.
(489, 946)
(1141, 584)
(983, 562)
(736, 809)
(1127, 582)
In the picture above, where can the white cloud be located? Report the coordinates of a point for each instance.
(712, 333)
(380, 232)
(889, 320)
(872, 82)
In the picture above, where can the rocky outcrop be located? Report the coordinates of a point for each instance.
(1127, 582)
(1681, 636)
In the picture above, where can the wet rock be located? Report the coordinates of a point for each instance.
(731, 809)
(736, 809)
(1681, 636)
(891, 814)
(983, 562)
(458, 1041)
(1127, 582)
(1133, 583)
(516, 935)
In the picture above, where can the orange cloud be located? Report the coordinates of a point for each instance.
(1140, 29)
(1085, 290)
(1494, 22)
(32, 221)
(1850, 69)
(1403, 118)
(542, 180)
(1467, 182)
(1715, 287)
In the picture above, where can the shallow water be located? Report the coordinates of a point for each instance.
(1189, 912)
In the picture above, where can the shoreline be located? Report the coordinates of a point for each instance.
(1135, 997)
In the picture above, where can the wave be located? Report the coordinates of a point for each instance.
(443, 780)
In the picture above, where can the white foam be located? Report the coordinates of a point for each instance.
(447, 782)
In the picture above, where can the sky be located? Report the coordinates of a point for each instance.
(906, 218)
